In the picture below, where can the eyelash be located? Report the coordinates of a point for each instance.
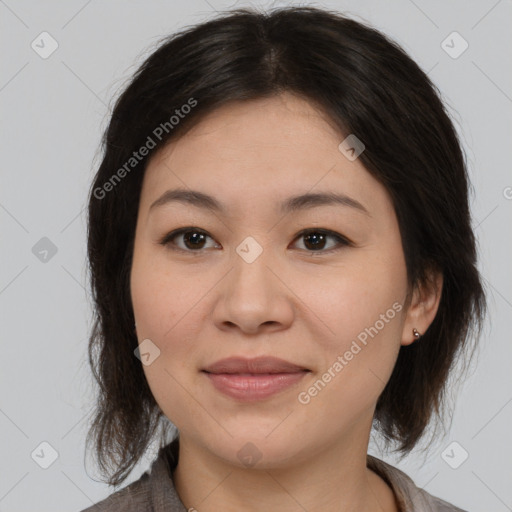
(341, 240)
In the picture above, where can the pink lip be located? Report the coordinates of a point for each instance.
(253, 379)
(250, 387)
(262, 364)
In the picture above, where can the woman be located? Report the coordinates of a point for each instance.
(281, 257)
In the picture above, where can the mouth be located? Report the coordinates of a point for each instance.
(254, 366)
(253, 379)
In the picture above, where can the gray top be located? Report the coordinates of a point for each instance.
(154, 491)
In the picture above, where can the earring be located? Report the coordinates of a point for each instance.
(416, 334)
(135, 326)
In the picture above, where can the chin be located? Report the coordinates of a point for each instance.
(254, 449)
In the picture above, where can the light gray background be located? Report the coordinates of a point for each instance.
(54, 111)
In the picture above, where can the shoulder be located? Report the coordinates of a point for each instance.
(135, 497)
(154, 491)
(444, 506)
(436, 504)
(409, 497)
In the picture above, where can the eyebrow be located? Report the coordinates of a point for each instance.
(290, 205)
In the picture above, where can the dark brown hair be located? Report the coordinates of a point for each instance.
(366, 85)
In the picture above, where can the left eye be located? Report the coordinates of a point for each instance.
(194, 240)
(316, 238)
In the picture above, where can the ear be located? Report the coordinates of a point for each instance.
(423, 306)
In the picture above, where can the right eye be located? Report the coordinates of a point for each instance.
(193, 241)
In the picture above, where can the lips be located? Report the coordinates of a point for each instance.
(254, 366)
(249, 380)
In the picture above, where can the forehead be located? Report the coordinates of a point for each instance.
(264, 129)
(270, 148)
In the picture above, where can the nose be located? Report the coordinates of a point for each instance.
(254, 297)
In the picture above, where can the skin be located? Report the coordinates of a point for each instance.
(294, 302)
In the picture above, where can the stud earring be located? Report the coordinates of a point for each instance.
(416, 334)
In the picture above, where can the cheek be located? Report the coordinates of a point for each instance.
(162, 295)
(167, 312)
(166, 305)
(363, 308)
(368, 290)
(357, 362)
(160, 307)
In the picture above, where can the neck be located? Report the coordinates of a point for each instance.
(334, 479)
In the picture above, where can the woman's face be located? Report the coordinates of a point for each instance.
(242, 281)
